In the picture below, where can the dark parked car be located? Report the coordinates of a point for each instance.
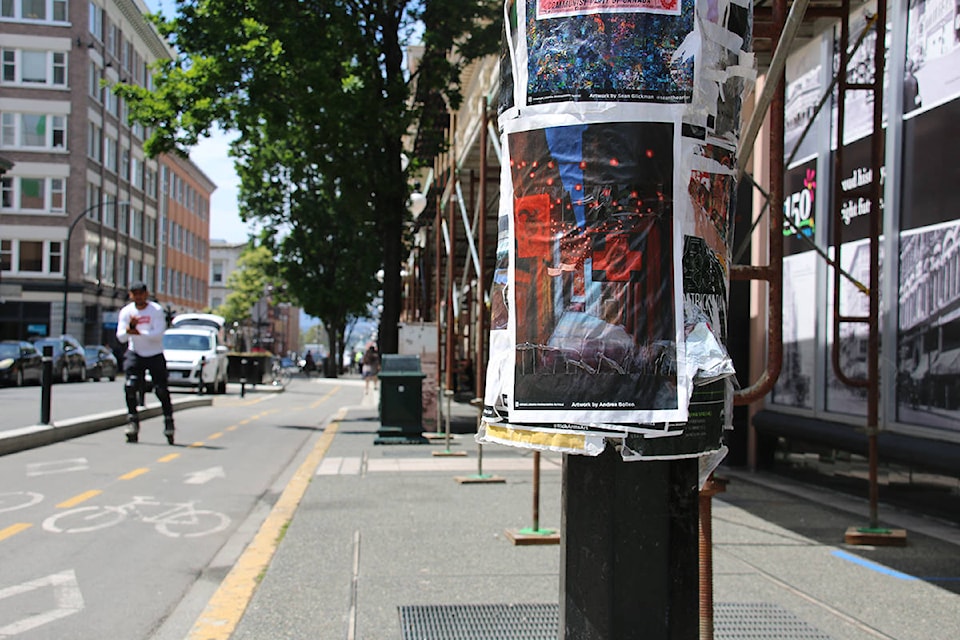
(101, 363)
(69, 362)
(20, 362)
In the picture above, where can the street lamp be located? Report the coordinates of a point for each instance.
(66, 256)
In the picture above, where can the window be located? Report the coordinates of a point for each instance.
(110, 101)
(32, 131)
(112, 40)
(33, 67)
(32, 194)
(96, 21)
(94, 195)
(94, 141)
(110, 153)
(90, 262)
(108, 265)
(217, 276)
(38, 10)
(31, 256)
(56, 254)
(136, 224)
(6, 254)
(109, 216)
(150, 231)
(136, 172)
(93, 83)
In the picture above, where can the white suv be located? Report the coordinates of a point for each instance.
(195, 358)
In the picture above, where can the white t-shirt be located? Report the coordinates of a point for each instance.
(151, 323)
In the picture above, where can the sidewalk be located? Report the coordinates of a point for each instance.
(386, 531)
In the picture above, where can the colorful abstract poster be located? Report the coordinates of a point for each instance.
(564, 8)
(589, 51)
(594, 288)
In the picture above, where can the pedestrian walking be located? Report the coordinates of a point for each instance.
(371, 368)
(141, 325)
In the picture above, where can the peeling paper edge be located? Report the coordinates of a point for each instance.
(580, 443)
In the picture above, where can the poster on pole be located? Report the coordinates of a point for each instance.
(608, 304)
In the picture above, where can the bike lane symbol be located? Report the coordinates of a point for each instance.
(172, 519)
(13, 500)
(66, 595)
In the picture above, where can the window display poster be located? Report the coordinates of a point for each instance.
(928, 364)
(803, 92)
(933, 54)
(794, 385)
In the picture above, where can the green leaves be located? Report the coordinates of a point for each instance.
(320, 97)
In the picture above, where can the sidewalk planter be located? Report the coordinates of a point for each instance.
(401, 400)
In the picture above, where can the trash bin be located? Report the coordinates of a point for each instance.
(401, 400)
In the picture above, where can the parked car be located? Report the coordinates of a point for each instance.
(101, 363)
(195, 358)
(69, 362)
(20, 362)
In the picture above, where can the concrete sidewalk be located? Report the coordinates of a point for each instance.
(384, 543)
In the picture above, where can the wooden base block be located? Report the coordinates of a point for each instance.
(876, 537)
(448, 453)
(480, 479)
(524, 537)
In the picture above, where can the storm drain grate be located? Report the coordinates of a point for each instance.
(480, 622)
(760, 620)
(731, 621)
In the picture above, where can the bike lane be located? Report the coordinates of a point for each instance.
(108, 528)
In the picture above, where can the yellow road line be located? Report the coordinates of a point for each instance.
(77, 499)
(130, 475)
(223, 611)
(169, 457)
(14, 529)
(325, 398)
(196, 444)
(214, 436)
(232, 427)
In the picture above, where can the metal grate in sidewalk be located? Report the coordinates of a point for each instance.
(731, 621)
(480, 622)
(760, 621)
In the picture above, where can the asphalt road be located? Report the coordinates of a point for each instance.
(22, 405)
(98, 534)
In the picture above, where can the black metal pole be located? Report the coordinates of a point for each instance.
(46, 381)
(629, 565)
(66, 257)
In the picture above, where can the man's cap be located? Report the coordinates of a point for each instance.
(138, 285)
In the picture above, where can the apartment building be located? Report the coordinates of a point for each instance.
(84, 212)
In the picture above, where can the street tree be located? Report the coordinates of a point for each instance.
(321, 99)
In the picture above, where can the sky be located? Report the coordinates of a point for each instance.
(210, 155)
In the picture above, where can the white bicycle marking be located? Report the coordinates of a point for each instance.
(57, 466)
(13, 500)
(173, 519)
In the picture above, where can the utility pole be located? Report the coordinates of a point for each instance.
(614, 320)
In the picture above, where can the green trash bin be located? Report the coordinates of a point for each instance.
(401, 400)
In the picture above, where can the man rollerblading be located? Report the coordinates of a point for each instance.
(133, 429)
(141, 325)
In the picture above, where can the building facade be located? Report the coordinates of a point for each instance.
(809, 408)
(184, 253)
(84, 212)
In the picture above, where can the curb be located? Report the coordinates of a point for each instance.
(40, 435)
